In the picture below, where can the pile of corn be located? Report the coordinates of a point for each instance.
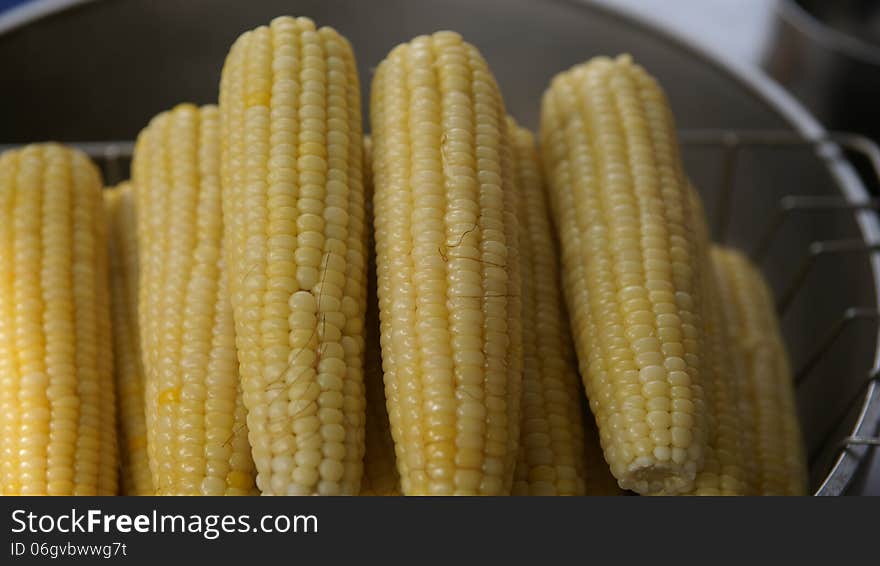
(275, 304)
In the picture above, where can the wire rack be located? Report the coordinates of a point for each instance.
(114, 159)
(732, 144)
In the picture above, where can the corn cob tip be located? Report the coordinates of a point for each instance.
(77, 156)
(625, 59)
(287, 20)
(441, 37)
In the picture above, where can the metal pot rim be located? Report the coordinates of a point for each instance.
(803, 21)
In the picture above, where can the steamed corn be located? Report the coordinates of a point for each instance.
(196, 433)
(724, 470)
(632, 272)
(553, 323)
(293, 204)
(727, 468)
(447, 265)
(57, 411)
(551, 452)
(128, 368)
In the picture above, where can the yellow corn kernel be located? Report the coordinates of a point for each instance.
(128, 368)
(293, 204)
(551, 453)
(57, 406)
(196, 433)
(447, 267)
(769, 401)
(631, 268)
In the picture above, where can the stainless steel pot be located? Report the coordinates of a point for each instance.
(828, 54)
(99, 71)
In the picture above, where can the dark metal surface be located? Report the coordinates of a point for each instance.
(856, 22)
(828, 54)
(102, 70)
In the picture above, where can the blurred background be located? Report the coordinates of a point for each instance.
(827, 53)
(737, 28)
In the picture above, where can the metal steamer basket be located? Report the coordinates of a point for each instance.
(774, 181)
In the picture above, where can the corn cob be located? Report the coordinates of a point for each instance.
(593, 476)
(447, 266)
(294, 206)
(769, 393)
(631, 269)
(380, 469)
(551, 453)
(128, 368)
(197, 438)
(57, 417)
(726, 465)
(724, 469)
